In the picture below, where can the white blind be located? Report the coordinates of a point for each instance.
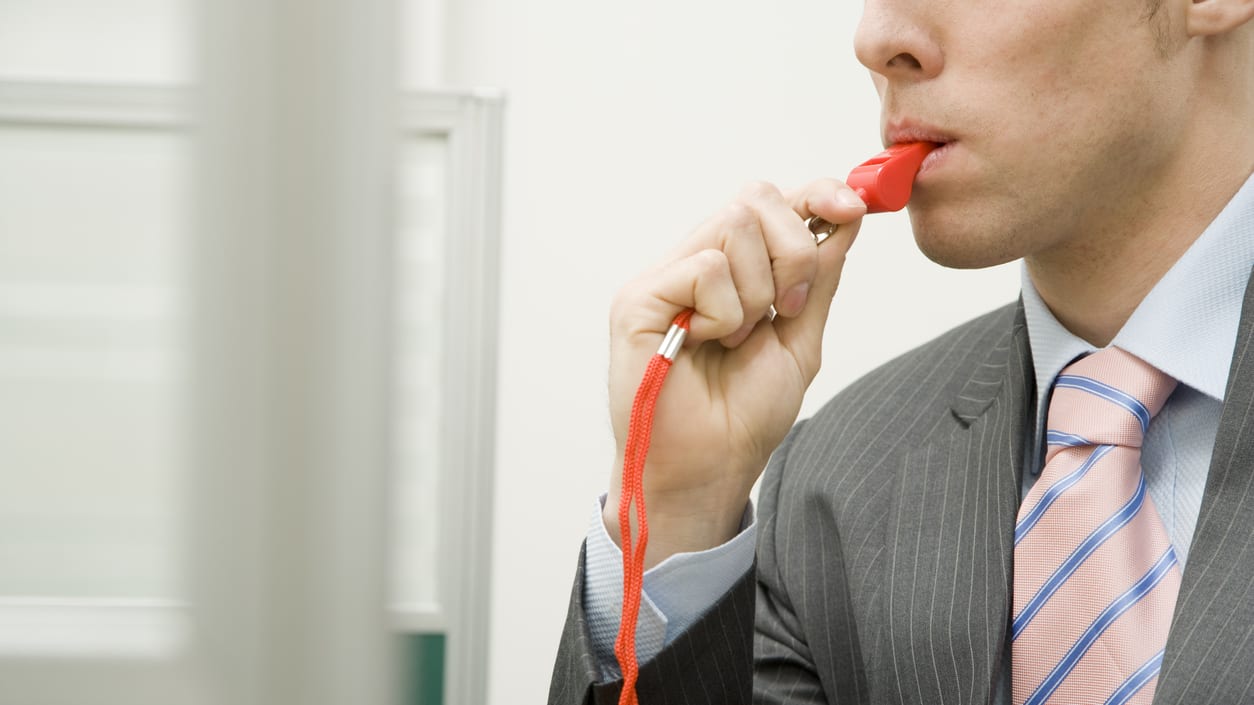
(91, 239)
(423, 225)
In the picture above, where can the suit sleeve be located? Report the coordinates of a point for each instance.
(709, 663)
(784, 668)
(713, 662)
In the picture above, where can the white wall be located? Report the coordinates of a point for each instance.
(628, 123)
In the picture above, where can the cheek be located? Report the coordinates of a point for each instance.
(1046, 64)
(1052, 102)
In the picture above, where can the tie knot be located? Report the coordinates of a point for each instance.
(1108, 397)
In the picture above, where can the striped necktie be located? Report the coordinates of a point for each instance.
(1095, 575)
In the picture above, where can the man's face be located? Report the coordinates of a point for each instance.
(1062, 113)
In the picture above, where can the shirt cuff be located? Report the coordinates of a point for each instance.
(677, 591)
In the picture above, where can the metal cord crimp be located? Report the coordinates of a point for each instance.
(673, 341)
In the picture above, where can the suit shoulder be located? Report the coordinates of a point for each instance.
(921, 382)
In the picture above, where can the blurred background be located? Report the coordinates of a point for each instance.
(303, 318)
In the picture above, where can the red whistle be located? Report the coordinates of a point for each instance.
(884, 181)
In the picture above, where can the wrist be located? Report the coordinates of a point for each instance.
(677, 525)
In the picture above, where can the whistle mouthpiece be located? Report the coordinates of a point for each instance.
(884, 181)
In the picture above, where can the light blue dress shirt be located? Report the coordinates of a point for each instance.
(1186, 326)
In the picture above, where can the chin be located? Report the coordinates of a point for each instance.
(962, 242)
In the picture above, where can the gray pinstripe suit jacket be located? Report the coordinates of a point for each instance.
(883, 570)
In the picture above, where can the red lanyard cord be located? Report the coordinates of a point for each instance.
(639, 431)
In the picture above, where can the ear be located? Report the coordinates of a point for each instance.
(1212, 17)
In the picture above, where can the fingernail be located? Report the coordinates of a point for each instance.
(795, 299)
(849, 199)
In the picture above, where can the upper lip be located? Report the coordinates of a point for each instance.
(908, 130)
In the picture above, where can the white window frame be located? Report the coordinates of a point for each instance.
(138, 645)
(472, 124)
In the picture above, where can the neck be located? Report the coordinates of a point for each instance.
(1094, 281)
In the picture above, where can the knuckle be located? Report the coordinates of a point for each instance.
(739, 215)
(711, 261)
(759, 191)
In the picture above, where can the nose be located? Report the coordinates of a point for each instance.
(896, 41)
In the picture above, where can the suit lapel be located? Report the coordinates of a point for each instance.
(950, 577)
(1211, 645)
(952, 535)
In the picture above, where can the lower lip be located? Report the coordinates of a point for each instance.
(935, 158)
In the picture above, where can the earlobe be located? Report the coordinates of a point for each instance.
(1213, 17)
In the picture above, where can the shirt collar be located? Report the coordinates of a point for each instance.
(1186, 326)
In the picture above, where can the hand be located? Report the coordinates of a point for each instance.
(736, 389)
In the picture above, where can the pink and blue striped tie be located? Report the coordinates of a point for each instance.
(1095, 575)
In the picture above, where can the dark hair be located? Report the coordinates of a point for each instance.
(1160, 24)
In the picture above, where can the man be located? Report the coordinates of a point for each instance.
(898, 557)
